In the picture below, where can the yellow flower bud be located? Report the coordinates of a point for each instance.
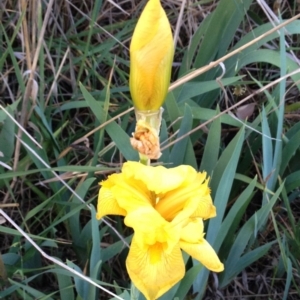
(151, 56)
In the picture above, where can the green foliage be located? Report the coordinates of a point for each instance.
(50, 183)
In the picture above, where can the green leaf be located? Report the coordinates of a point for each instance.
(96, 249)
(234, 216)
(244, 262)
(187, 281)
(235, 63)
(293, 107)
(206, 114)
(175, 115)
(26, 290)
(66, 287)
(191, 51)
(221, 183)
(11, 52)
(164, 135)
(219, 33)
(249, 229)
(267, 56)
(267, 148)
(179, 149)
(69, 168)
(95, 12)
(292, 131)
(74, 220)
(93, 292)
(173, 111)
(80, 284)
(192, 89)
(289, 277)
(212, 147)
(116, 133)
(114, 249)
(125, 296)
(7, 138)
(279, 110)
(289, 151)
(292, 181)
(10, 109)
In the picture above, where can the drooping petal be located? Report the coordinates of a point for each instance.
(195, 245)
(107, 204)
(151, 54)
(152, 270)
(205, 209)
(203, 252)
(192, 232)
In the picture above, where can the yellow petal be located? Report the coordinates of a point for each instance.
(182, 217)
(157, 179)
(193, 190)
(107, 204)
(192, 232)
(130, 197)
(151, 55)
(147, 26)
(150, 227)
(152, 270)
(120, 194)
(205, 209)
(204, 253)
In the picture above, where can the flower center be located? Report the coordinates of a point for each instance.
(170, 205)
(155, 252)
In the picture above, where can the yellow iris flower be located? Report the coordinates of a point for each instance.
(151, 55)
(166, 209)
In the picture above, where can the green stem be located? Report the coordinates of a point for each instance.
(144, 159)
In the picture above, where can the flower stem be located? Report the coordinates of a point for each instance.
(144, 159)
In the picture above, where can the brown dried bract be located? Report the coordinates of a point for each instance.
(145, 140)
